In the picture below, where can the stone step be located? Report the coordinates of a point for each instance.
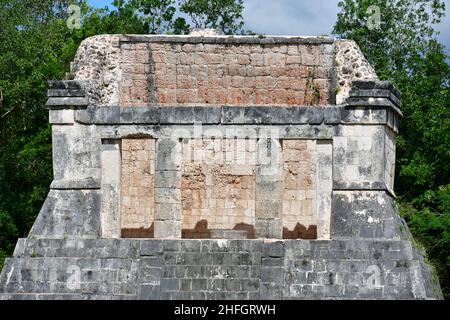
(214, 269)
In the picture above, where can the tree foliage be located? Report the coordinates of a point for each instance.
(179, 16)
(403, 49)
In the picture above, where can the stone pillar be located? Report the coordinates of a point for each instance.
(168, 189)
(363, 163)
(111, 174)
(324, 187)
(72, 207)
(269, 189)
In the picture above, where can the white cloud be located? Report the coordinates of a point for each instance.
(291, 17)
(306, 17)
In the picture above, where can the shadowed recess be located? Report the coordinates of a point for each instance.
(300, 232)
(138, 233)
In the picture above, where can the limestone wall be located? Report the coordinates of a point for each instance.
(219, 74)
(219, 70)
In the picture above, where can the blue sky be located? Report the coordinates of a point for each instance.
(299, 17)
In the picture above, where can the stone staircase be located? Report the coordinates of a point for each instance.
(107, 269)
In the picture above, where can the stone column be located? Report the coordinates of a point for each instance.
(269, 189)
(363, 163)
(72, 207)
(324, 187)
(168, 189)
(111, 176)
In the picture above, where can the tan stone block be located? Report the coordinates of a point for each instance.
(158, 47)
(294, 59)
(210, 48)
(244, 59)
(256, 59)
(278, 96)
(295, 208)
(142, 56)
(128, 56)
(294, 97)
(186, 95)
(296, 84)
(238, 81)
(214, 58)
(307, 207)
(200, 58)
(292, 50)
(310, 194)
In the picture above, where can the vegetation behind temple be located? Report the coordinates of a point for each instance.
(36, 45)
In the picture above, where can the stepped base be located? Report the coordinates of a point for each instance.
(86, 269)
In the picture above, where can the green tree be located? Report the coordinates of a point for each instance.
(179, 16)
(32, 36)
(225, 15)
(399, 39)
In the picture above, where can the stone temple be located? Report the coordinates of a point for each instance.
(220, 167)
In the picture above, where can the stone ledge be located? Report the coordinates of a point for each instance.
(360, 186)
(375, 111)
(376, 84)
(375, 93)
(65, 102)
(65, 85)
(90, 183)
(226, 115)
(66, 93)
(227, 39)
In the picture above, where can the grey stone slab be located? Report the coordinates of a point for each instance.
(168, 155)
(307, 115)
(66, 93)
(282, 115)
(177, 115)
(273, 249)
(67, 101)
(257, 115)
(376, 93)
(233, 115)
(375, 84)
(207, 115)
(366, 115)
(270, 291)
(149, 292)
(146, 115)
(107, 115)
(168, 179)
(85, 116)
(332, 115)
(65, 85)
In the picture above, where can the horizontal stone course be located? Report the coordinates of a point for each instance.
(373, 114)
(227, 39)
